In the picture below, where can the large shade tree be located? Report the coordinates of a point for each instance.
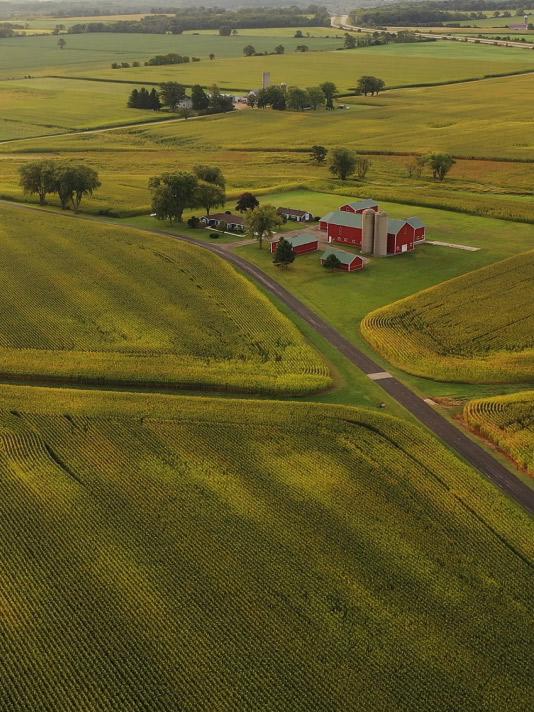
(261, 223)
(38, 178)
(172, 193)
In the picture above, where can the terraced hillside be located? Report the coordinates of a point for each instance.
(507, 421)
(98, 303)
(168, 555)
(477, 328)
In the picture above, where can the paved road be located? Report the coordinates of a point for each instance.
(426, 414)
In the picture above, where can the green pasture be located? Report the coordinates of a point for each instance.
(49, 23)
(93, 53)
(46, 106)
(397, 64)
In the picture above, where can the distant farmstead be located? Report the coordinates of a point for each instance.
(305, 242)
(347, 261)
(235, 223)
(296, 215)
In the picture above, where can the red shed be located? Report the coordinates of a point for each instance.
(360, 205)
(419, 227)
(401, 237)
(347, 261)
(342, 226)
(305, 242)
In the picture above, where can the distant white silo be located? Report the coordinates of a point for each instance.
(381, 234)
(368, 231)
(266, 80)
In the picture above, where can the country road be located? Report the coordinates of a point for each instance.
(466, 448)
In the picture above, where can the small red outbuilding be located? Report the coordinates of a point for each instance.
(347, 261)
(305, 242)
(360, 205)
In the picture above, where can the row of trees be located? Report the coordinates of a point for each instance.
(172, 193)
(70, 181)
(281, 98)
(172, 94)
(438, 163)
(374, 39)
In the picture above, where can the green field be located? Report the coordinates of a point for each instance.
(31, 107)
(177, 553)
(443, 332)
(508, 422)
(397, 64)
(98, 303)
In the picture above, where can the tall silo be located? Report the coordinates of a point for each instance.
(381, 234)
(368, 231)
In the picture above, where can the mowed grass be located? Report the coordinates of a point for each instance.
(46, 106)
(98, 303)
(189, 553)
(476, 328)
(94, 52)
(397, 64)
(508, 422)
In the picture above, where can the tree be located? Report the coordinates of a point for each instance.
(171, 94)
(331, 262)
(369, 85)
(210, 174)
(210, 195)
(62, 43)
(440, 164)
(284, 254)
(172, 193)
(273, 96)
(297, 99)
(211, 56)
(316, 97)
(261, 222)
(342, 163)
(251, 100)
(362, 166)
(249, 51)
(415, 167)
(329, 90)
(298, 34)
(219, 103)
(318, 154)
(246, 201)
(225, 31)
(155, 103)
(279, 49)
(199, 99)
(185, 112)
(350, 41)
(73, 181)
(302, 48)
(38, 178)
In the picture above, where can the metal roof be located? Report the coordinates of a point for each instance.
(341, 217)
(395, 225)
(344, 257)
(362, 204)
(415, 222)
(303, 239)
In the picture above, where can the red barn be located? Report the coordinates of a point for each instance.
(360, 205)
(347, 261)
(342, 226)
(419, 227)
(401, 237)
(305, 242)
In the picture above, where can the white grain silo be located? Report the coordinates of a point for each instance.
(368, 231)
(381, 234)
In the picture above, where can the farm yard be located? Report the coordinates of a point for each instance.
(251, 479)
(154, 571)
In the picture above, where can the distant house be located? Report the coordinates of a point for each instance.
(235, 223)
(419, 227)
(343, 226)
(401, 237)
(360, 205)
(347, 261)
(293, 214)
(305, 242)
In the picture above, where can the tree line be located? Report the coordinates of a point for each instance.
(69, 181)
(173, 96)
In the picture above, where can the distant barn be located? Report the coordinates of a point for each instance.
(360, 205)
(305, 242)
(347, 261)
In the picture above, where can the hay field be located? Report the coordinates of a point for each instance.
(478, 328)
(198, 554)
(397, 64)
(508, 422)
(34, 107)
(96, 303)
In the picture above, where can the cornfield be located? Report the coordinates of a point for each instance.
(165, 553)
(477, 328)
(101, 304)
(508, 421)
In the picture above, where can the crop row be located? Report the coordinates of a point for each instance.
(476, 328)
(508, 421)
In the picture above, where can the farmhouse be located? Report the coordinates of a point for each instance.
(232, 222)
(347, 261)
(360, 205)
(305, 242)
(342, 226)
(296, 215)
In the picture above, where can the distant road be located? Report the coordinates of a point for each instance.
(466, 448)
(341, 22)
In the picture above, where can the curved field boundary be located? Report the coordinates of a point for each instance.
(508, 422)
(476, 328)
